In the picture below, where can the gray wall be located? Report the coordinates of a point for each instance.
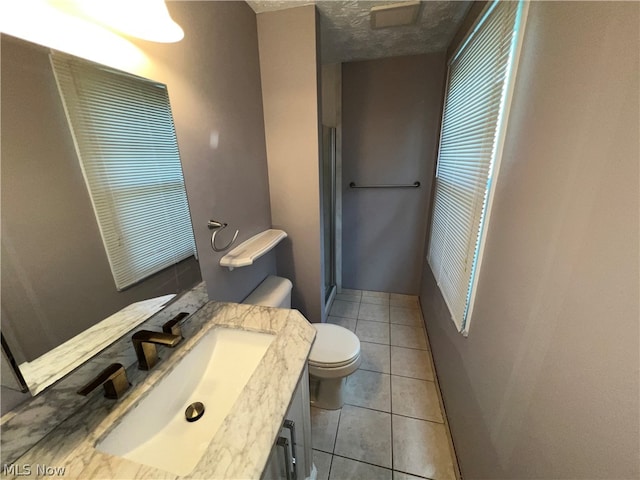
(546, 384)
(290, 77)
(213, 77)
(52, 251)
(391, 115)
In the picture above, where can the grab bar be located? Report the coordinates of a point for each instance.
(415, 185)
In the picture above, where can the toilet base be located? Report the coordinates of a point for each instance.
(326, 392)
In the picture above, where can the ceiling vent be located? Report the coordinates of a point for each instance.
(395, 15)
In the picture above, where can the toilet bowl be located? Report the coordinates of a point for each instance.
(335, 353)
(334, 356)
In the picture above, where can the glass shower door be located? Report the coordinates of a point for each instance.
(329, 208)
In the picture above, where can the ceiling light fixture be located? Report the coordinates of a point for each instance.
(38, 21)
(144, 19)
(395, 15)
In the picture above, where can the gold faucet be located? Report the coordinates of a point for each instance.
(113, 379)
(173, 325)
(144, 343)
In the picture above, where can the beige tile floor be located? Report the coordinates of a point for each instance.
(392, 426)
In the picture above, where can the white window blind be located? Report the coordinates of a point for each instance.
(125, 138)
(470, 144)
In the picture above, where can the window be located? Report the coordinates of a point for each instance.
(126, 142)
(476, 106)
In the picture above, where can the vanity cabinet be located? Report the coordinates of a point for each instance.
(291, 455)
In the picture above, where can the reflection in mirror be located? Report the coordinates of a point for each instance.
(57, 277)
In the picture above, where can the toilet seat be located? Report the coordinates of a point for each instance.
(330, 365)
(335, 347)
(336, 372)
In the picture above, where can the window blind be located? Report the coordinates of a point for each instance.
(474, 105)
(125, 139)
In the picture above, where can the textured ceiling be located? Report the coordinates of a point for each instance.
(347, 35)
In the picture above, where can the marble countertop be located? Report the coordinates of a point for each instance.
(29, 423)
(55, 364)
(241, 446)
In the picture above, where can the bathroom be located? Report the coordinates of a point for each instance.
(541, 386)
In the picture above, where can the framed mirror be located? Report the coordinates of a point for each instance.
(57, 274)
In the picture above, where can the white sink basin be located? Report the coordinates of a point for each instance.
(156, 433)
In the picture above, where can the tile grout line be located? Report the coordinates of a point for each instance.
(396, 414)
(335, 440)
(367, 463)
(340, 316)
(414, 475)
(399, 346)
(391, 391)
(397, 375)
(323, 451)
(331, 462)
(415, 325)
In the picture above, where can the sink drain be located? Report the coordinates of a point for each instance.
(194, 411)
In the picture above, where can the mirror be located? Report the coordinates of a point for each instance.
(56, 277)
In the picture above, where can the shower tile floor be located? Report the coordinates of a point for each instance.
(392, 425)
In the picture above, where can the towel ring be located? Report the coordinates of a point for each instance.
(216, 227)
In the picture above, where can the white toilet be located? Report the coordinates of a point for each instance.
(334, 356)
(335, 353)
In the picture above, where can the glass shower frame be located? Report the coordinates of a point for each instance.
(329, 209)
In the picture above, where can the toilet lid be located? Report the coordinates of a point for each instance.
(335, 346)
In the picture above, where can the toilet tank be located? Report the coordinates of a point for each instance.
(272, 292)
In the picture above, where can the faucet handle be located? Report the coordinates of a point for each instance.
(172, 326)
(113, 379)
(144, 344)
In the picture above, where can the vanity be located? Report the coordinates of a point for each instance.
(265, 432)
